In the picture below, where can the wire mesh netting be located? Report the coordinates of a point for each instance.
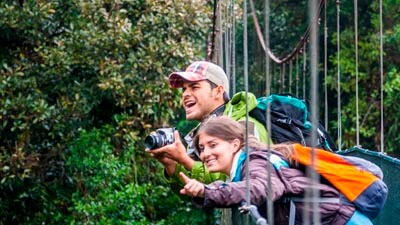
(390, 215)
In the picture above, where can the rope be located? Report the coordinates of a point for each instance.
(381, 71)
(314, 107)
(304, 69)
(270, 203)
(299, 45)
(267, 41)
(220, 55)
(356, 51)
(290, 75)
(233, 52)
(211, 44)
(273, 80)
(297, 76)
(246, 87)
(227, 36)
(283, 74)
(325, 69)
(338, 77)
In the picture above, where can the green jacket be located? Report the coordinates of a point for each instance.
(236, 109)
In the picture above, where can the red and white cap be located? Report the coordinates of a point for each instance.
(200, 70)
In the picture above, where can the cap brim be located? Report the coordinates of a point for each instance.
(176, 79)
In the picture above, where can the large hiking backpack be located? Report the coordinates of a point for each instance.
(358, 180)
(290, 121)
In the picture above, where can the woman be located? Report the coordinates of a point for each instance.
(220, 142)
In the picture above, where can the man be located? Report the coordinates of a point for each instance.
(205, 93)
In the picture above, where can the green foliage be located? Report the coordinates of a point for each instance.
(369, 78)
(83, 82)
(68, 67)
(104, 191)
(392, 88)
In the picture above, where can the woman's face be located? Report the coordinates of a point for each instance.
(217, 154)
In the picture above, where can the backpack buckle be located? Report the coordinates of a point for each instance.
(285, 121)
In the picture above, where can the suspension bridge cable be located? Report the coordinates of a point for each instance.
(381, 71)
(325, 68)
(297, 75)
(304, 69)
(270, 204)
(267, 43)
(283, 75)
(233, 51)
(356, 51)
(227, 36)
(246, 87)
(290, 75)
(314, 109)
(299, 45)
(220, 58)
(338, 76)
(211, 43)
(273, 80)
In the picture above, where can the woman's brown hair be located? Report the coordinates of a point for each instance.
(223, 128)
(228, 129)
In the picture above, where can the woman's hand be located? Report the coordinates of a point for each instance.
(192, 187)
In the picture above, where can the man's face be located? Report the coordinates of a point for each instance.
(199, 100)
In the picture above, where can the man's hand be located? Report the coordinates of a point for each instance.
(192, 187)
(169, 164)
(175, 151)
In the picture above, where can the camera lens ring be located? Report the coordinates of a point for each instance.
(150, 142)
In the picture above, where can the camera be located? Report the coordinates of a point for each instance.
(160, 138)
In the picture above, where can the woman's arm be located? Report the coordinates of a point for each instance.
(226, 194)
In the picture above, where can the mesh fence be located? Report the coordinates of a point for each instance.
(390, 215)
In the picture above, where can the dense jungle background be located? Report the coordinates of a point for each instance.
(83, 82)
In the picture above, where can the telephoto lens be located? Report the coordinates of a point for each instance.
(159, 138)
